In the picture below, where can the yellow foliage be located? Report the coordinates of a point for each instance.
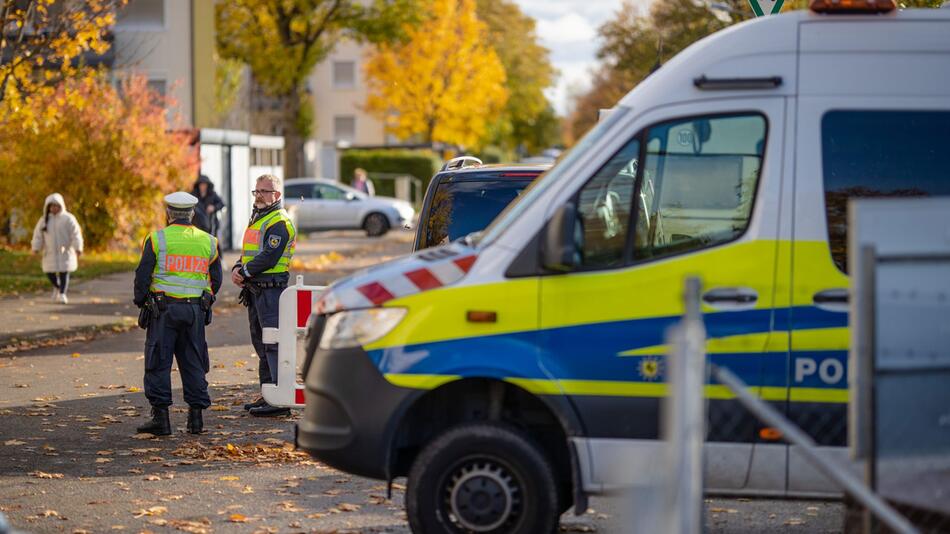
(49, 36)
(108, 152)
(445, 84)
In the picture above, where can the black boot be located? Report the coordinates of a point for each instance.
(159, 425)
(259, 402)
(195, 424)
(269, 411)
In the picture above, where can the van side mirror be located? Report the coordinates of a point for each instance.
(559, 251)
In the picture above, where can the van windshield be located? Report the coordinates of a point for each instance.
(460, 208)
(548, 179)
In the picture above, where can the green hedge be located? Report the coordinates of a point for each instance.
(422, 164)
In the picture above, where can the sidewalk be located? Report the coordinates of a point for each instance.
(99, 305)
(105, 304)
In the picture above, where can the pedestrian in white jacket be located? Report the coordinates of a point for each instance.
(58, 236)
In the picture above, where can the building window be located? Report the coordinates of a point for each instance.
(141, 15)
(344, 128)
(344, 74)
(157, 86)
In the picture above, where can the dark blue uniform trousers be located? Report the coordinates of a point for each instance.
(178, 331)
(263, 313)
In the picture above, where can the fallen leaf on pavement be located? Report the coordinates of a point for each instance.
(794, 521)
(21, 385)
(40, 474)
(104, 453)
(230, 477)
(237, 518)
(153, 478)
(219, 408)
(50, 513)
(143, 435)
(75, 355)
(202, 526)
(347, 507)
(158, 522)
(576, 527)
(154, 510)
(723, 511)
(289, 506)
(247, 489)
(14, 442)
(133, 389)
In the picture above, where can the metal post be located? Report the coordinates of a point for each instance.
(684, 416)
(866, 351)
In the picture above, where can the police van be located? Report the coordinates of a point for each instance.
(514, 373)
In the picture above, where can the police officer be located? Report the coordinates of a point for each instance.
(263, 273)
(176, 279)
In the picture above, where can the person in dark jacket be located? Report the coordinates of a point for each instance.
(262, 273)
(209, 204)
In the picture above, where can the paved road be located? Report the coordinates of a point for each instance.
(70, 460)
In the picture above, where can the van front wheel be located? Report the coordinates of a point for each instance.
(481, 477)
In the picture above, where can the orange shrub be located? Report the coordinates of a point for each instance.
(108, 150)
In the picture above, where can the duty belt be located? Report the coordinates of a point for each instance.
(268, 284)
(187, 300)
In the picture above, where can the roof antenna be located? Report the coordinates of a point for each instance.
(659, 54)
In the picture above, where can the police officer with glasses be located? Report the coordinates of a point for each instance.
(175, 283)
(263, 273)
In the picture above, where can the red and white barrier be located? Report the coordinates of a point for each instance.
(296, 303)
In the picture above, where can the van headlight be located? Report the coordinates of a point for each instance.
(359, 327)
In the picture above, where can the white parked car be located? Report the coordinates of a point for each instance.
(321, 204)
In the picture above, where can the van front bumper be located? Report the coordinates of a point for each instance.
(351, 412)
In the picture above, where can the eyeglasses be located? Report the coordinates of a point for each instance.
(257, 192)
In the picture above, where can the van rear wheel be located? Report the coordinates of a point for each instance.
(482, 477)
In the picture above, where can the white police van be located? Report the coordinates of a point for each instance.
(528, 359)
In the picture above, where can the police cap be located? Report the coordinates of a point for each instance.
(181, 200)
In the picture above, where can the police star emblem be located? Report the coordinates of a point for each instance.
(650, 368)
(273, 241)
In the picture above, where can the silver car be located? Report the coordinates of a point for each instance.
(321, 204)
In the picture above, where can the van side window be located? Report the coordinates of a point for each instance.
(603, 207)
(699, 180)
(880, 154)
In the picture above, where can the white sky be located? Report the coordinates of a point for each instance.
(568, 28)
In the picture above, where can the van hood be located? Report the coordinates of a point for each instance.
(421, 271)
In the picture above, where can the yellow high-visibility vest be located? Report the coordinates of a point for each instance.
(184, 255)
(254, 240)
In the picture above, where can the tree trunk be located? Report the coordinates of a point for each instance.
(293, 141)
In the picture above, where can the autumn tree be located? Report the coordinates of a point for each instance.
(47, 41)
(283, 40)
(445, 84)
(528, 119)
(633, 45)
(107, 149)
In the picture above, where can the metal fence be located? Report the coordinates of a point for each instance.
(708, 402)
(900, 409)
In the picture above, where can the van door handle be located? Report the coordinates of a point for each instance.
(835, 299)
(731, 297)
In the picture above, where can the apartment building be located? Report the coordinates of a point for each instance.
(171, 42)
